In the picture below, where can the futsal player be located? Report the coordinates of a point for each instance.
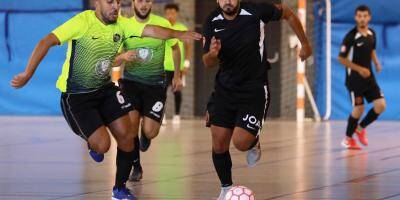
(90, 102)
(234, 40)
(172, 13)
(144, 79)
(357, 51)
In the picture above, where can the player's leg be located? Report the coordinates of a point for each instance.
(221, 138)
(221, 120)
(169, 77)
(178, 103)
(372, 95)
(115, 110)
(133, 93)
(137, 170)
(358, 109)
(81, 114)
(154, 98)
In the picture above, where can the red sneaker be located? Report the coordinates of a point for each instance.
(350, 143)
(362, 136)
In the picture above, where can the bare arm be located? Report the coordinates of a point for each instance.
(128, 56)
(186, 45)
(176, 82)
(375, 59)
(210, 59)
(37, 56)
(297, 27)
(166, 33)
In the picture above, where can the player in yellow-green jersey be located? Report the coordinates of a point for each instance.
(172, 13)
(90, 102)
(144, 79)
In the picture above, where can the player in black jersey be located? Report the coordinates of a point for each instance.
(357, 51)
(234, 39)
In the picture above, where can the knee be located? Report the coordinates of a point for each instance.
(380, 108)
(102, 146)
(358, 111)
(150, 132)
(126, 135)
(220, 147)
(240, 144)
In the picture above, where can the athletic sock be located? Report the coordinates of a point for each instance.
(351, 126)
(369, 118)
(136, 154)
(178, 102)
(223, 166)
(124, 166)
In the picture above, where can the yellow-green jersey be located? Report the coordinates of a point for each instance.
(149, 67)
(169, 60)
(92, 48)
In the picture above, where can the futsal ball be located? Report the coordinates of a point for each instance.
(239, 193)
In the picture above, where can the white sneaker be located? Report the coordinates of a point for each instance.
(224, 191)
(254, 155)
(176, 119)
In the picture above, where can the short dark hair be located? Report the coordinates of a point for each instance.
(172, 6)
(363, 8)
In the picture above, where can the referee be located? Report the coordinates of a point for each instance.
(357, 51)
(234, 39)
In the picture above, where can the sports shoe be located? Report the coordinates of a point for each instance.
(136, 174)
(224, 191)
(254, 155)
(176, 119)
(362, 136)
(350, 143)
(98, 157)
(122, 194)
(144, 143)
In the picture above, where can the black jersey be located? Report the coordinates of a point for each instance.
(243, 61)
(358, 48)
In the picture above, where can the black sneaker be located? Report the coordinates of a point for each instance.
(136, 174)
(144, 143)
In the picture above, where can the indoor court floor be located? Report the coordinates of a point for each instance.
(40, 158)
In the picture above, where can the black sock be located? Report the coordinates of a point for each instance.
(124, 166)
(369, 118)
(351, 126)
(178, 102)
(136, 154)
(223, 166)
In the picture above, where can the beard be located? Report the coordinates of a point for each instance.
(108, 19)
(231, 11)
(138, 14)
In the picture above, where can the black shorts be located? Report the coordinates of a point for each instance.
(148, 100)
(170, 77)
(248, 113)
(370, 91)
(86, 112)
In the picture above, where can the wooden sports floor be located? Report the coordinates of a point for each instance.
(40, 158)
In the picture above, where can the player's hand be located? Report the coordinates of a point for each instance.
(129, 56)
(305, 51)
(177, 84)
(185, 71)
(20, 80)
(378, 68)
(189, 35)
(364, 72)
(215, 46)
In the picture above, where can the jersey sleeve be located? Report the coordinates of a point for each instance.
(207, 35)
(346, 45)
(270, 12)
(72, 29)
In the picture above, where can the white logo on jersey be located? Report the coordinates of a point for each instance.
(158, 106)
(144, 54)
(360, 44)
(218, 30)
(103, 67)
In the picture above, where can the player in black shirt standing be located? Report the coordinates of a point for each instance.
(357, 51)
(234, 39)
